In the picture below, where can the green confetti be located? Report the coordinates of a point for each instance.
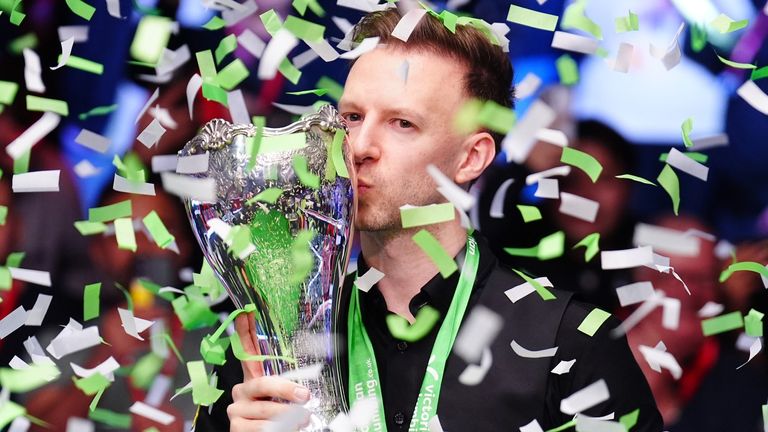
(98, 111)
(232, 74)
(289, 71)
(215, 93)
(529, 213)
(3, 214)
(722, 323)
(21, 164)
(592, 244)
(8, 91)
(434, 250)
(466, 118)
(9, 411)
(575, 18)
(5, 279)
(301, 7)
(426, 318)
(206, 65)
(593, 321)
(110, 212)
(496, 117)
(83, 64)
(753, 323)
(628, 23)
(92, 384)
(532, 18)
(91, 301)
(17, 45)
(151, 38)
(14, 259)
(146, 369)
(687, 127)
(669, 181)
(736, 65)
(698, 157)
(307, 177)
(427, 215)
(725, 24)
(316, 92)
(635, 178)
(90, 228)
(759, 73)
(110, 418)
(37, 103)
(81, 9)
(333, 88)
(202, 392)
(583, 161)
(540, 289)
(449, 20)
(17, 16)
(271, 21)
(193, 312)
(157, 229)
(337, 153)
(226, 46)
(303, 29)
(549, 247)
(567, 70)
(29, 378)
(698, 37)
(253, 144)
(743, 266)
(765, 417)
(215, 23)
(242, 355)
(269, 195)
(132, 169)
(629, 420)
(126, 239)
(213, 348)
(302, 258)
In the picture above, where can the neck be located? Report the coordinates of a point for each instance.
(405, 266)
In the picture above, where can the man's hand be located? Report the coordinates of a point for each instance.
(259, 398)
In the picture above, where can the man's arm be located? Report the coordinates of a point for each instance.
(601, 356)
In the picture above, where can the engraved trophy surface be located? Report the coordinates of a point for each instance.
(295, 295)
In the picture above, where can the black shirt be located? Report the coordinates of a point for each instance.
(515, 390)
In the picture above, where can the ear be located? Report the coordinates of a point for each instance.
(478, 151)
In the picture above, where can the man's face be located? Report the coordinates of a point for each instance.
(400, 122)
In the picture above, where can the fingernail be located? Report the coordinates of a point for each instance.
(301, 393)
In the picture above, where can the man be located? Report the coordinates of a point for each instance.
(400, 101)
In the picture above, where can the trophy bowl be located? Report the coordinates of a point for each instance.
(279, 237)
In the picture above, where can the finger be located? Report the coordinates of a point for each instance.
(274, 387)
(256, 410)
(245, 329)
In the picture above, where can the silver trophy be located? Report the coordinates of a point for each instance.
(287, 214)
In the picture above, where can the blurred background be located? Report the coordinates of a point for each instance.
(132, 99)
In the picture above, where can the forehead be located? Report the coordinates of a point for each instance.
(419, 79)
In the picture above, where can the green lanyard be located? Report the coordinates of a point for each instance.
(363, 372)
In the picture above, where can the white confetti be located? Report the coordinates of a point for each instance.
(85, 169)
(589, 424)
(563, 170)
(12, 322)
(407, 23)
(78, 32)
(106, 368)
(152, 413)
(77, 424)
(528, 86)
(520, 291)
(553, 136)
(754, 349)
(641, 312)
(575, 43)
(519, 142)
(497, 205)
(670, 317)
(73, 338)
(661, 358)
(368, 44)
(460, 198)
(133, 325)
(434, 424)
(626, 258)
(33, 71)
(523, 352)
(162, 163)
(669, 57)
(164, 117)
(193, 87)
(578, 207)
(113, 8)
(666, 240)
(158, 391)
(710, 309)
(36, 277)
(238, 11)
(288, 420)
(193, 164)
(369, 279)
(66, 51)
(474, 374)
(171, 60)
(146, 106)
(122, 184)
(756, 98)
(684, 163)
(709, 142)
(563, 367)
(585, 398)
(634, 293)
(151, 134)
(36, 181)
(275, 52)
(361, 5)
(93, 141)
(252, 43)
(20, 424)
(324, 50)
(477, 333)
(295, 109)
(36, 315)
(623, 58)
(39, 129)
(547, 188)
(201, 189)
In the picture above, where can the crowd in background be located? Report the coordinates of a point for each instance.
(626, 121)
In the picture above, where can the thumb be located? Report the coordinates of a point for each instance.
(246, 330)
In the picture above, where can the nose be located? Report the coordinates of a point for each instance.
(365, 141)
